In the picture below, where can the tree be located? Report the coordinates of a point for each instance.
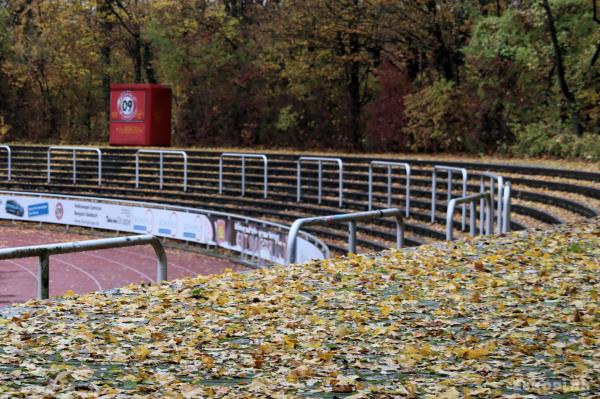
(560, 70)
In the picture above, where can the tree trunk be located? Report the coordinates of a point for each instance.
(354, 93)
(106, 26)
(560, 70)
(137, 56)
(150, 75)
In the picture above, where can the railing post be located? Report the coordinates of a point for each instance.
(433, 194)
(449, 185)
(74, 166)
(298, 180)
(221, 174)
(320, 181)
(408, 177)
(370, 186)
(99, 167)
(185, 172)
(161, 171)
(489, 219)
(43, 276)
(389, 186)
(352, 237)
(464, 193)
(341, 182)
(293, 240)
(137, 170)
(492, 211)
(161, 261)
(243, 176)
(48, 166)
(506, 208)
(266, 176)
(449, 221)
(472, 225)
(481, 202)
(399, 232)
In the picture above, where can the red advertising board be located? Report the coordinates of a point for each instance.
(140, 115)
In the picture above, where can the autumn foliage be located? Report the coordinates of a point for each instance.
(512, 316)
(427, 75)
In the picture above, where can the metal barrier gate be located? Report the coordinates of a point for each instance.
(389, 183)
(43, 253)
(320, 161)
(449, 169)
(243, 157)
(8, 160)
(161, 154)
(351, 218)
(471, 200)
(74, 151)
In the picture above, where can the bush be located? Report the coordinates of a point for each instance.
(557, 140)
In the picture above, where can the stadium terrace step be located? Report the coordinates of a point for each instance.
(541, 196)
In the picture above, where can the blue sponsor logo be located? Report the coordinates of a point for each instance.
(37, 209)
(162, 230)
(139, 227)
(189, 235)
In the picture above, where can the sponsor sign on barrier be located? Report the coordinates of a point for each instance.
(229, 232)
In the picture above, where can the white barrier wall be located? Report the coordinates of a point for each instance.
(250, 237)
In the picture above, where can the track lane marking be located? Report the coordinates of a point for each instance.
(120, 264)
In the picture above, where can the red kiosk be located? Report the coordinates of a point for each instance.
(140, 115)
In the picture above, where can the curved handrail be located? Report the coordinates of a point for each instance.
(98, 151)
(352, 218)
(43, 252)
(161, 154)
(471, 200)
(243, 157)
(389, 165)
(449, 169)
(320, 161)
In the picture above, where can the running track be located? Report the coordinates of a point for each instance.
(90, 271)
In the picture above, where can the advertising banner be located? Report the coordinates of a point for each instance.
(250, 238)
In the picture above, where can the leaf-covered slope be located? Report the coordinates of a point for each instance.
(510, 316)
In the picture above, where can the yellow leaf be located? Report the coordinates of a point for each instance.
(480, 352)
(451, 393)
(141, 352)
(289, 342)
(69, 294)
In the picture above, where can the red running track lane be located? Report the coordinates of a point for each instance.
(93, 270)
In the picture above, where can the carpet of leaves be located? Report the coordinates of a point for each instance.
(510, 316)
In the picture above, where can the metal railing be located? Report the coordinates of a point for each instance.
(8, 160)
(494, 180)
(74, 151)
(389, 183)
(506, 203)
(449, 169)
(351, 218)
(43, 253)
(320, 162)
(471, 200)
(243, 157)
(161, 154)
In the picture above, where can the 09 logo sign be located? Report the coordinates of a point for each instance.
(127, 105)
